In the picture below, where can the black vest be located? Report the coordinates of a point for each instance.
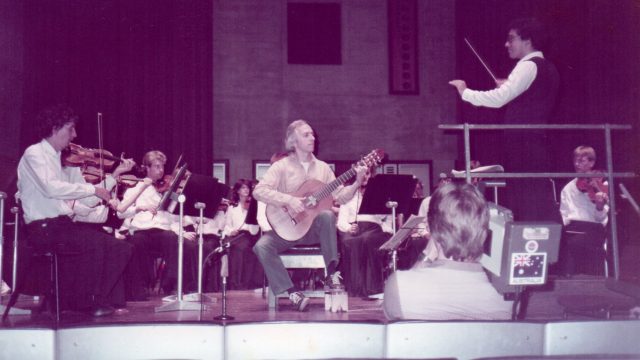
(534, 106)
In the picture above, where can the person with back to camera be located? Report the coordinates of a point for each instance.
(453, 286)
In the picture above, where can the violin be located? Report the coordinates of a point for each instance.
(90, 160)
(174, 183)
(593, 185)
(76, 155)
(161, 185)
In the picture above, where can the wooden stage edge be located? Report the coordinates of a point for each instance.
(547, 303)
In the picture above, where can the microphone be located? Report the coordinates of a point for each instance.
(224, 267)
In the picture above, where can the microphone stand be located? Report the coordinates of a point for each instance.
(394, 254)
(13, 310)
(224, 273)
(179, 303)
(199, 296)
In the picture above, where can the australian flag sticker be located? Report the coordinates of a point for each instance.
(528, 268)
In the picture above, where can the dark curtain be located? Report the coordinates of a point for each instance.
(145, 65)
(595, 48)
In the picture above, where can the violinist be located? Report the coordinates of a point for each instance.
(150, 230)
(87, 281)
(584, 209)
(91, 209)
(244, 269)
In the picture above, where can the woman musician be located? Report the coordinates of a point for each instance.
(244, 269)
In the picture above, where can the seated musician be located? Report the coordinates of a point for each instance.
(453, 286)
(584, 209)
(46, 193)
(278, 189)
(90, 209)
(245, 271)
(361, 236)
(151, 230)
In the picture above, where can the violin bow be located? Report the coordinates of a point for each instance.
(100, 147)
(481, 61)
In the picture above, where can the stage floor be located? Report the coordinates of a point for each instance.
(546, 303)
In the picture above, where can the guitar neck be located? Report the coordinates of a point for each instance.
(332, 186)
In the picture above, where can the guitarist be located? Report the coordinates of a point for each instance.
(284, 177)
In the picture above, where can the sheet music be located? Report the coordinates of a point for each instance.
(481, 169)
(404, 232)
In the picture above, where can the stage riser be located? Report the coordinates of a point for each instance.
(142, 342)
(463, 340)
(616, 337)
(323, 340)
(305, 340)
(28, 344)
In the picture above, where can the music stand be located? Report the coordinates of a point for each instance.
(204, 189)
(165, 204)
(400, 236)
(203, 195)
(385, 188)
(386, 192)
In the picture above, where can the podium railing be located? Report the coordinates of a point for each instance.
(610, 174)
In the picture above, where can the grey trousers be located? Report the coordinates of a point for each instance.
(270, 245)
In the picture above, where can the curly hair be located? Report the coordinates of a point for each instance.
(54, 118)
(533, 30)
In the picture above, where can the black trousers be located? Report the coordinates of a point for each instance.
(151, 243)
(90, 262)
(361, 262)
(582, 248)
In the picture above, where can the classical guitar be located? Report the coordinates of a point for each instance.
(316, 197)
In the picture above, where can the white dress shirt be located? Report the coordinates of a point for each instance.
(209, 226)
(42, 185)
(89, 209)
(263, 222)
(348, 214)
(576, 205)
(235, 220)
(519, 80)
(144, 220)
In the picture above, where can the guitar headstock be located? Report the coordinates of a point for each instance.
(372, 159)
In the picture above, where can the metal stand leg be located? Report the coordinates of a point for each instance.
(224, 273)
(199, 296)
(179, 303)
(12, 310)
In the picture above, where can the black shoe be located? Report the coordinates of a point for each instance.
(100, 311)
(299, 301)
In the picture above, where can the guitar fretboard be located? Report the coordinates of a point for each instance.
(332, 186)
